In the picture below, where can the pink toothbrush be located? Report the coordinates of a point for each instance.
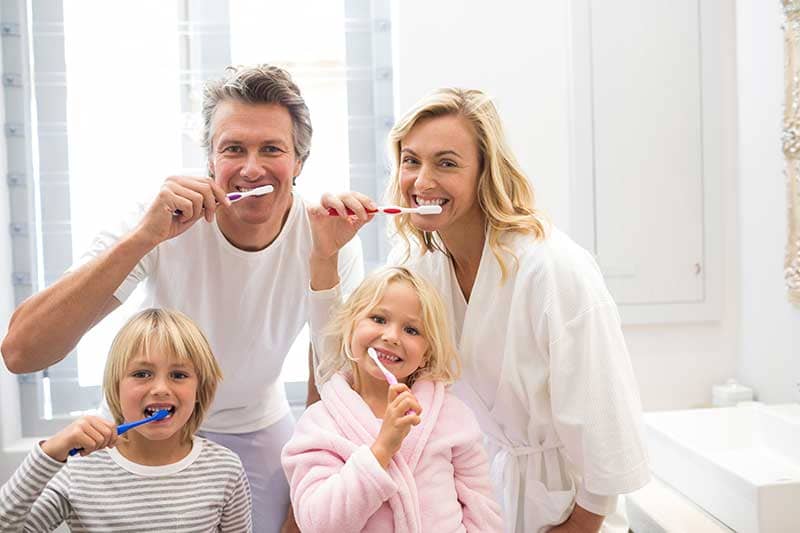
(396, 210)
(388, 375)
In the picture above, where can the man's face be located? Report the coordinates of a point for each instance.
(251, 146)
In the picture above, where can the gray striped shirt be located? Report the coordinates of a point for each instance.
(205, 491)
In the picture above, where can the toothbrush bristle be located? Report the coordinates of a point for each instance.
(161, 415)
(429, 209)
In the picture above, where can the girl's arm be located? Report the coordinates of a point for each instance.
(329, 493)
(237, 514)
(481, 513)
(36, 497)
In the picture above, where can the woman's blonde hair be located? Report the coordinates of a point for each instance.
(504, 193)
(171, 332)
(440, 360)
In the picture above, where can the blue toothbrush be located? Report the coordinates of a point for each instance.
(160, 415)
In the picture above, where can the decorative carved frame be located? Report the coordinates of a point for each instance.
(791, 144)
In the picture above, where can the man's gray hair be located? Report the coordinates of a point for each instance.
(259, 84)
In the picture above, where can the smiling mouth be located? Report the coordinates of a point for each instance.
(433, 201)
(388, 358)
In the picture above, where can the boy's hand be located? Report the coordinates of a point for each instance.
(89, 432)
(396, 423)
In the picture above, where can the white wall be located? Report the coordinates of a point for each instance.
(518, 53)
(770, 325)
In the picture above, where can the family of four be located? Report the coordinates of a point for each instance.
(515, 407)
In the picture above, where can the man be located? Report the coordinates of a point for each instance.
(242, 273)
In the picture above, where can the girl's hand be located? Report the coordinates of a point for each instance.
(396, 423)
(330, 233)
(196, 198)
(89, 432)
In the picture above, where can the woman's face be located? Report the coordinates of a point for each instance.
(440, 165)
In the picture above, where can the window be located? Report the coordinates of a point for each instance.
(113, 109)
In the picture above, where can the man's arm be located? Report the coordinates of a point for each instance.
(48, 325)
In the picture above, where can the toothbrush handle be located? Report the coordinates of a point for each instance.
(122, 428)
(332, 212)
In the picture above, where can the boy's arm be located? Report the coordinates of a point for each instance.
(35, 498)
(237, 515)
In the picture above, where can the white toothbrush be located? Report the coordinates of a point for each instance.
(396, 210)
(236, 196)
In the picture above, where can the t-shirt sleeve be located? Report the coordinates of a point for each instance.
(106, 238)
(36, 497)
(351, 266)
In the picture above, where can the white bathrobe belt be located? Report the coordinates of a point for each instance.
(505, 472)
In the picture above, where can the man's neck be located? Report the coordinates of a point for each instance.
(254, 237)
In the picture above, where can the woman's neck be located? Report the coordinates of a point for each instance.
(140, 450)
(465, 247)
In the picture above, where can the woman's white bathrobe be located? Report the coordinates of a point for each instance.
(548, 375)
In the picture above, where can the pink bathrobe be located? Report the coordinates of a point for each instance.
(437, 483)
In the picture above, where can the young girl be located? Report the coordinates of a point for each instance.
(370, 457)
(156, 477)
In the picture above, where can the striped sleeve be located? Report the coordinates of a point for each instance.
(35, 497)
(237, 513)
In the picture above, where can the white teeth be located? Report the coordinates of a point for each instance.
(391, 358)
(432, 201)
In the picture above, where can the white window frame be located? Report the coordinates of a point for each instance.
(41, 239)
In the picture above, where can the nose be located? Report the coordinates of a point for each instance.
(391, 334)
(252, 170)
(160, 386)
(424, 180)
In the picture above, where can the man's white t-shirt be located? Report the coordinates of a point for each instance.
(250, 305)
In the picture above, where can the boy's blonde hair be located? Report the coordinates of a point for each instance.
(504, 193)
(174, 333)
(441, 360)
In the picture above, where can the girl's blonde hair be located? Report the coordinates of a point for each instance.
(504, 193)
(171, 332)
(441, 360)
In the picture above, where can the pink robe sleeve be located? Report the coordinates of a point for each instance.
(334, 486)
(481, 513)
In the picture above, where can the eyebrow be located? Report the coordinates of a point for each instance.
(437, 154)
(235, 140)
(145, 362)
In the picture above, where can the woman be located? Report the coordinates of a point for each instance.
(546, 369)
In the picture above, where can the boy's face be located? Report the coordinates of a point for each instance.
(153, 381)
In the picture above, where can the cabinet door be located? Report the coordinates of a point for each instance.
(645, 124)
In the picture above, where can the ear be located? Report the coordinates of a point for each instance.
(211, 168)
(298, 167)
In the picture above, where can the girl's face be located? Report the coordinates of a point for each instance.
(440, 164)
(394, 329)
(153, 381)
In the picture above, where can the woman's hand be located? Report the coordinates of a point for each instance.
(396, 423)
(330, 233)
(90, 433)
(194, 197)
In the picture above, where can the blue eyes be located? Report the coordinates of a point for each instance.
(378, 319)
(445, 163)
